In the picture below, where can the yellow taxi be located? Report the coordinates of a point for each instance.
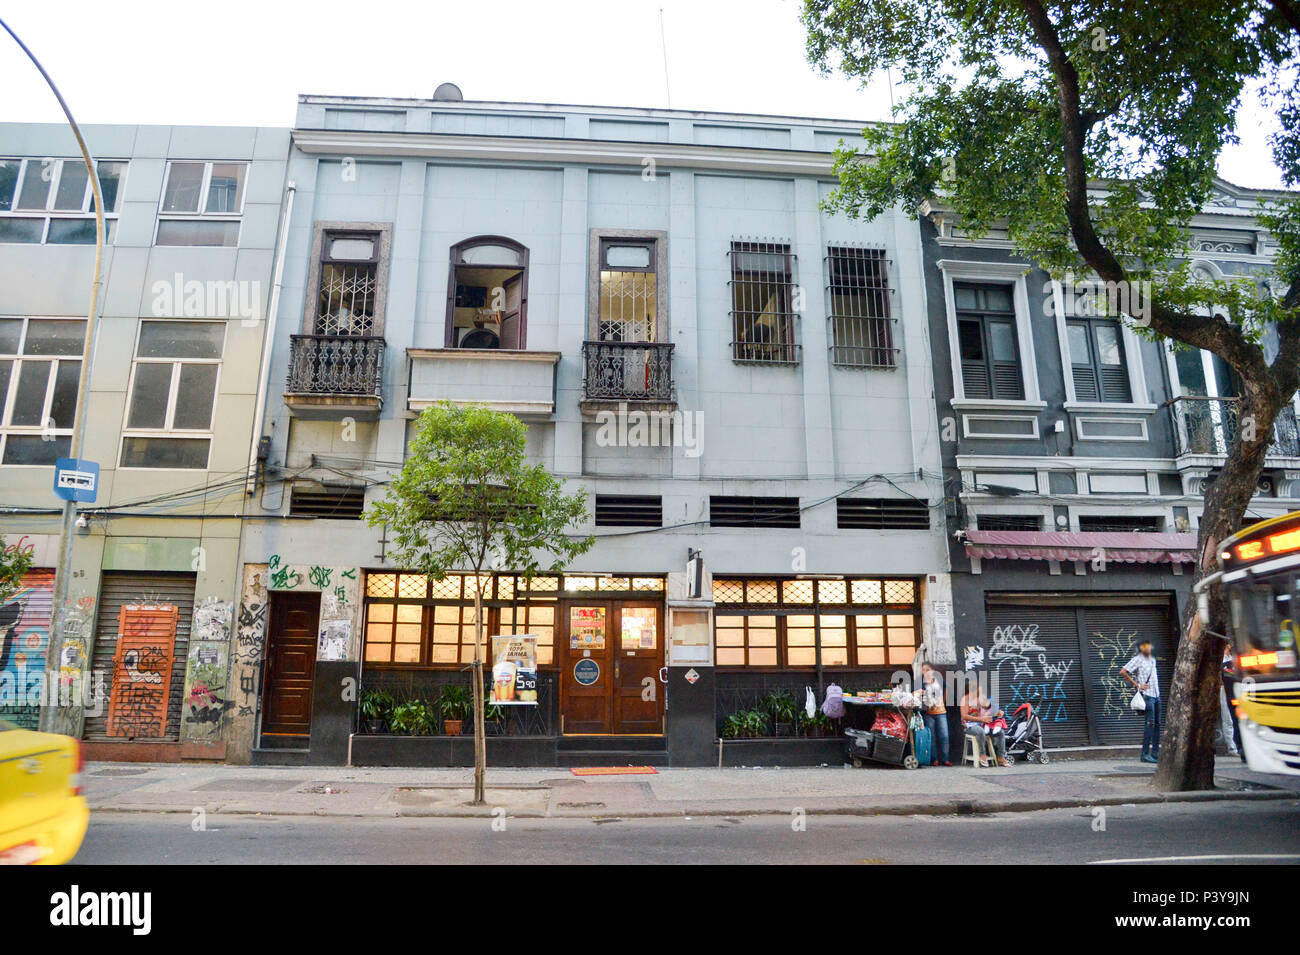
(43, 816)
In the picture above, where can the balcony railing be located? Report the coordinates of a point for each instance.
(627, 371)
(1208, 426)
(329, 365)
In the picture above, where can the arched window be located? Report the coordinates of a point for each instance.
(487, 294)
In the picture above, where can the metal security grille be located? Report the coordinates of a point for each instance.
(338, 503)
(349, 271)
(862, 332)
(1034, 650)
(753, 511)
(1112, 638)
(1009, 522)
(865, 513)
(628, 291)
(762, 299)
(117, 589)
(629, 510)
(1110, 522)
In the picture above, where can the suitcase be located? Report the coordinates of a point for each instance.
(923, 746)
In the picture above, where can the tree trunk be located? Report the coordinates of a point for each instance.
(480, 745)
(1192, 710)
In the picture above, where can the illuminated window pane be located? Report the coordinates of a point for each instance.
(799, 620)
(541, 615)
(544, 583)
(446, 633)
(647, 583)
(409, 613)
(762, 657)
(901, 637)
(579, 583)
(801, 656)
(835, 656)
(467, 653)
(900, 591)
(446, 614)
(412, 586)
(381, 585)
(799, 637)
(615, 583)
(761, 592)
(379, 633)
(505, 588)
(728, 591)
(731, 638)
(869, 620)
(871, 656)
(797, 591)
(378, 653)
(832, 591)
(899, 655)
(544, 654)
(443, 653)
(446, 589)
(762, 638)
(408, 632)
(406, 653)
(380, 612)
(728, 657)
(866, 591)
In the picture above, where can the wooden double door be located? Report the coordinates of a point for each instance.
(611, 657)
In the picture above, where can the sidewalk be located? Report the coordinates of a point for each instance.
(546, 793)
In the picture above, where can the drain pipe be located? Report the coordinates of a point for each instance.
(268, 341)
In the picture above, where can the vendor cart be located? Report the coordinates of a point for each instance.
(866, 744)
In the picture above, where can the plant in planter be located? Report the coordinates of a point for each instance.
(756, 723)
(413, 718)
(376, 709)
(733, 727)
(818, 725)
(780, 707)
(456, 705)
(494, 720)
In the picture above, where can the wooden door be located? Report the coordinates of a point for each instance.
(290, 664)
(513, 317)
(638, 705)
(587, 673)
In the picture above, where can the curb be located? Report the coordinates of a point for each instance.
(946, 807)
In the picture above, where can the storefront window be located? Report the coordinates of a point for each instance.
(781, 623)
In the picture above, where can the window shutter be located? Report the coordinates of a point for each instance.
(1085, 383)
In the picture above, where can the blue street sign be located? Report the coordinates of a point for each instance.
(76, 480)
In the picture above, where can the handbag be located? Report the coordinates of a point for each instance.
(1138, 703)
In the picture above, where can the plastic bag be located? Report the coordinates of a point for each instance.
(809, 702)
(1138, 703)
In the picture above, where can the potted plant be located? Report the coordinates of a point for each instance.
(413, 718)
(733, 727)
(376, 709)
(494, 718)
(455, 704)
(780, 706)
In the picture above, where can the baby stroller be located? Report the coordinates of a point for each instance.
(1025, 735)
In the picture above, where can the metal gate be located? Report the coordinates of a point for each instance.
(128, 589)
(24, 637)
(1065, 660)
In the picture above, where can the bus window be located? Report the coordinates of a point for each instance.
(1254, 618)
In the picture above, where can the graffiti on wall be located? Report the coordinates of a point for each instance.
(1114, 652)
(250, 639)
(24, 635)
(1027, 673)
(206, 698)
(142, 666)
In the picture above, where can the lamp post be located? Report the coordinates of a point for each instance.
(67, 532)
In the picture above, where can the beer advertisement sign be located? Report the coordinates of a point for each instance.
(514, 670)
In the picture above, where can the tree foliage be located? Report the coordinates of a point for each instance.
(1090, 130)
(14, 564)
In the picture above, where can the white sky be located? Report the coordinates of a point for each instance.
(243, 63)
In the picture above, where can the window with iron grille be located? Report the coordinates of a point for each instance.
(880, 514)
(762, 303)
(1009, 522)
(349, 283)
(628, 290)
(862, 332)
(1121, 523)
(789, 623)
(986, 334)
(1097, 362)
(753, 511)
(629, 510)
(327, 501)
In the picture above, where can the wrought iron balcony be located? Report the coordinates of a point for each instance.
(1208, 426)
(343, 373)
(627, 371)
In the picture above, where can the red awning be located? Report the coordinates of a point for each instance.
(1129, 547)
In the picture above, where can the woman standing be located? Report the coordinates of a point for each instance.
(936, 715)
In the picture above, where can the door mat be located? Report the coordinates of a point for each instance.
(614, 771)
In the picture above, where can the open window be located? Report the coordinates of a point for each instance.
(487, 294)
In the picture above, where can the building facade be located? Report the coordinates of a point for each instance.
(191, 222)
(1076, 454)
(727, 371)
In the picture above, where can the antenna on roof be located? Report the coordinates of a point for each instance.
(663, 42)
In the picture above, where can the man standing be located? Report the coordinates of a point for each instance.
(1227, 718)
(1141, 672)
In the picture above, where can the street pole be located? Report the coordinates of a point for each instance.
(54, 653)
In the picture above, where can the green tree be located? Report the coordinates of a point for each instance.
(467, 500)
(14, 565)
(1091, 130)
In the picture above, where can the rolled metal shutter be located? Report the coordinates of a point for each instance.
(24, 641)
(1113, 635)
(1034, 649)
(119, 588)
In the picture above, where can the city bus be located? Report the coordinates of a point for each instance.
(1259, 572)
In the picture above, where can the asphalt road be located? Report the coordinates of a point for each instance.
(1213, 832)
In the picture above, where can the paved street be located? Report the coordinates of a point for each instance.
(1186, 832)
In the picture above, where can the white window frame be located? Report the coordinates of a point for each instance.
(1013, 273)
(49, 213)
(1137, 380)
(201, 215)
(18, 359)
(167, 430)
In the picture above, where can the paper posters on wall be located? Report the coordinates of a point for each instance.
(586, 628)
(638, 628)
